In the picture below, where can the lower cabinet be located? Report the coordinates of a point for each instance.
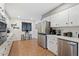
(78, 49)
(1, 51)
(52, 44)
(5, 47)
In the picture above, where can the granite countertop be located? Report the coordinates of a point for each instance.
(67, 38)
(9, 35)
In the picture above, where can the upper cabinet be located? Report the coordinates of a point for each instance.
(74, 16)
(3, 14)
(2, 7)
(54, 22)
(59, 19)
(63, 18)
(68, 17)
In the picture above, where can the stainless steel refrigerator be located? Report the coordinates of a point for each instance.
(43, 30)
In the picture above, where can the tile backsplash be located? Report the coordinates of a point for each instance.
(74, 30)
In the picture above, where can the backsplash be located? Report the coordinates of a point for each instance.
(74, 30)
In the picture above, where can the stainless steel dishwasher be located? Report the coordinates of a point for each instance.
(67, 48)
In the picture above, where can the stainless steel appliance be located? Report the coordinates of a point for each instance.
(42, 40)
(58, 32)
(3, 28)
(3, 38)
(43, 30)
(52, 31)
(67, 48)
(69, 34)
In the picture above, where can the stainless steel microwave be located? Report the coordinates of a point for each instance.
(3, 27)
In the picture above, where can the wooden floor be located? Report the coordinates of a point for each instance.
(28, 48)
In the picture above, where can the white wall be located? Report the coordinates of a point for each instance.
(19, 31)
(74, 30)
(34, 30)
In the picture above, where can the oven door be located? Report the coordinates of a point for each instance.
(3, 27)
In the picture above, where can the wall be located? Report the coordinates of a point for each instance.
(74, 30)
(18, 32)
(34, 30)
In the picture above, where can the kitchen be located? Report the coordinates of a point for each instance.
(53, 28)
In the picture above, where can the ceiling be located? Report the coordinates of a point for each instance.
(28, 10)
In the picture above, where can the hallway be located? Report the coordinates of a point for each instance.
(28, 48)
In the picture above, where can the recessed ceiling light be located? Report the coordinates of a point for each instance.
(18, 16)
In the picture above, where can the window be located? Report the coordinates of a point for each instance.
(26, 26)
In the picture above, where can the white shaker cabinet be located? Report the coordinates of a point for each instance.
(68, 17)
(57, 20)
(63, 18)
(74, 16)
(2, 6)
(60, 19)
(54, 21)
(6, 46)
(78, 49)
(52, 44)
(2, 49)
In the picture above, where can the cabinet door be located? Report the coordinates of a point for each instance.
(49, 43)
(52, 44)
(2, 6)
(54, 20)
(62, 18)
(74, 16)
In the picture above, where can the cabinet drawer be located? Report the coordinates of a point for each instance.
(2, 51)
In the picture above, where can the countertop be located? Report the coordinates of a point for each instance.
(9, 35)
(67, 38)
